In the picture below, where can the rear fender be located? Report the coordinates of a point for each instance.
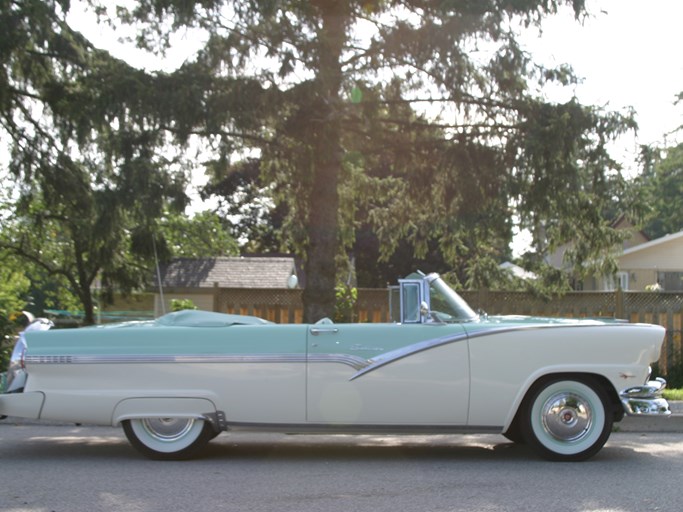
(163, 407)
(22, 405)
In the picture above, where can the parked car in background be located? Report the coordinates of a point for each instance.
(177, 382)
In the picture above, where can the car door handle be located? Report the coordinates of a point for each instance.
(317, 331)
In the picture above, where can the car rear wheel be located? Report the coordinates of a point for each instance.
(168, 438)
(567, 419)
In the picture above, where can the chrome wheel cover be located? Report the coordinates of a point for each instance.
(167, 430)
(567, 416)
(568, 419)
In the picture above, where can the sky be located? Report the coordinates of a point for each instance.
(629, 55)
(627, 52)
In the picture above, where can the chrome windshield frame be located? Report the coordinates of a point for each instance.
(428, 299)
(459, 311)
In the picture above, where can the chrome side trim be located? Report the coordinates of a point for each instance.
(354, 362)
(403, 352)
(534, 327)
(152, 359)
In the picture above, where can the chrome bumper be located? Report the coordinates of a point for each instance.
(645, 400)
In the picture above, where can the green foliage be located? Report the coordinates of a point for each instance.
(13, 291)
(91, 167)
(6, 338)
(245, 202)
(673, 394)
(661, 187)
(673, 375)
(182, 304)
(201, 236)
(346, 297)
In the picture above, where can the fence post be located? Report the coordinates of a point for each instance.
(619, 299)
(483, 298)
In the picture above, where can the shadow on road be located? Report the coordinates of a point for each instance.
(64, 442)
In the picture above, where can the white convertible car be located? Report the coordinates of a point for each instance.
(557, 385)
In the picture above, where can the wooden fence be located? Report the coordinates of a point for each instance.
(665, 308)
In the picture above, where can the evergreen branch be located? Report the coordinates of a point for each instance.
(223, 133)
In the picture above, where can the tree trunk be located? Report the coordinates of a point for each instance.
(88, 307)
(323, 223)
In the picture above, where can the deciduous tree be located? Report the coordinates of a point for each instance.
(661, 187)
(91, 176)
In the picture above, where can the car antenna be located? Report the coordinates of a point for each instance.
(161, 288)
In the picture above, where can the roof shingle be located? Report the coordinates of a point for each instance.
(228, 272)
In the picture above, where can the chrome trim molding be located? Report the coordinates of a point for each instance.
(534, 327)
(403, 352)
(354, 362)
(361, 365)
(152, 359)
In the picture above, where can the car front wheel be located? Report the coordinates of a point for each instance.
(567, 419)
(168, 438)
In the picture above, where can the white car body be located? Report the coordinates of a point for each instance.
(177, 382)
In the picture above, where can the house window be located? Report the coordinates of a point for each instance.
(622, 280)
(619, 280)
(671, 281)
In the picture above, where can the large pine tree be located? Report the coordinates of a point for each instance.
(417, 118)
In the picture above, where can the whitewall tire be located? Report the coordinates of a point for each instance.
(567, 419)
(168, 438)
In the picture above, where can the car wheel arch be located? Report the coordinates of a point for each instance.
(162, 407)
(512, 424)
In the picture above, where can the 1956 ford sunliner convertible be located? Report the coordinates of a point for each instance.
(175, 383)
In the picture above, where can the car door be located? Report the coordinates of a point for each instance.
(387, 374)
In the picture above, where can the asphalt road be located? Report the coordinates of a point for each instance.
(91, 469)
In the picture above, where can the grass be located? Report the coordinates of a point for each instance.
(673, 394)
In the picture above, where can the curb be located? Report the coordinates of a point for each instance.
(669, 425)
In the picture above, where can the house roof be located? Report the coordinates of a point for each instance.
(653, 243)
(228, 272)
(517, 271)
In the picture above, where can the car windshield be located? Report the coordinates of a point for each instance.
(446, 305)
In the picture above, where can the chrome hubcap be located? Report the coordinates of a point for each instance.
(167, 429)
(566, 416)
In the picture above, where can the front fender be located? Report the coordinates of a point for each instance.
(610, 374)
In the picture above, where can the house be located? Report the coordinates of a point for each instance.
(643, 264)
(204, 280)
(517, 272)
(657, 262)
(635, 237)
